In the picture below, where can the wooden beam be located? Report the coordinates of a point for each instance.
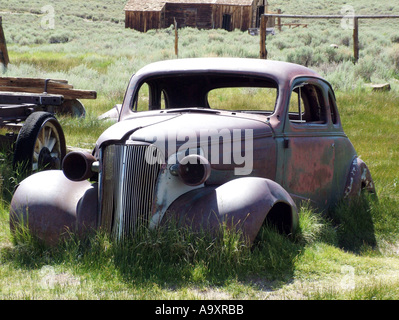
(4, 59)
(67, 93)
(301, 16)
(33, 98)
(34, 82)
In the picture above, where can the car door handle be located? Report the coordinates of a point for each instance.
(286, 143)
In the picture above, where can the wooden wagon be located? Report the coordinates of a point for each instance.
(28, 123)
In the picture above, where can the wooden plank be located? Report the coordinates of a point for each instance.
(67, 93)
(34, 82)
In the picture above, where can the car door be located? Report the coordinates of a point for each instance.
(308, 146)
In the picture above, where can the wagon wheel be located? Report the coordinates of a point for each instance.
(72, 107)
(40, 144)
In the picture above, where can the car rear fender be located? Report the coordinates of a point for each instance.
(359, 179)
(244, 204)
(52, 206)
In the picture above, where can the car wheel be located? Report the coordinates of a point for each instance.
(40, 144)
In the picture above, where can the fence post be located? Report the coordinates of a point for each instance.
(176, 39)
(263, 24)
(3, 47)
(356, 39)
(279, 20)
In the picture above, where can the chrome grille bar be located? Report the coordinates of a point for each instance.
(128, 184)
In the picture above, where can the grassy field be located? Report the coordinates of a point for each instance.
(352, 256)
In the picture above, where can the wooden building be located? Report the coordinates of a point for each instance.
(202, 14)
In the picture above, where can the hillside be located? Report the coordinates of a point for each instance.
(87, 40)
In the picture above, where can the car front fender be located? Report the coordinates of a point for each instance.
(52, 207)
(243, 203)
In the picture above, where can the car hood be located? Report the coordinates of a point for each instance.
(186, 127)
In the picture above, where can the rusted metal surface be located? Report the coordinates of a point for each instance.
(78, 165)
(359, 179)
(246, 167)
(241, 204)
(53, 207)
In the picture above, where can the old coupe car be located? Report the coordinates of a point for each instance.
(202, 141)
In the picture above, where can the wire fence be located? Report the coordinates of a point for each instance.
(265, 17)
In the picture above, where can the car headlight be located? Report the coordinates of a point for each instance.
(193, 170)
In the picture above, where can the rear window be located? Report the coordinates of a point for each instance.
(243, 99)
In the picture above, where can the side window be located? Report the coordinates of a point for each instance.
(333, 108)
(149, 98)
(296, 111)
(141, 103)
(163, 100)
(307, 105)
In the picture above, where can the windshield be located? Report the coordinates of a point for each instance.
(226, 92)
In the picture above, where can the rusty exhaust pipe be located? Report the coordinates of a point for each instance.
(79, 165)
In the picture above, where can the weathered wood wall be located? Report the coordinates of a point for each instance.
(143, 20)
(207, 16)
(241, 16)
(202, 16)
(189, 15)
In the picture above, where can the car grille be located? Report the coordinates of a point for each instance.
(127, 186)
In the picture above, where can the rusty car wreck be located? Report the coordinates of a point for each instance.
(184, 149)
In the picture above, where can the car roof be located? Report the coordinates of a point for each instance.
(280, 71)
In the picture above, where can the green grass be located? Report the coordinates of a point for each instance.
(61, 62)
(352, 253)
(371, 121)
(176, 264)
